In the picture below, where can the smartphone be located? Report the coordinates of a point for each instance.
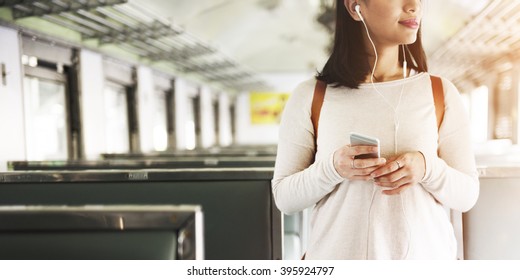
(357, 139)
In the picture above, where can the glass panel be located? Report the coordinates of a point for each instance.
(189, 126)
(45, 119)
(160, 128)
(479, 114)
(503, 126)
(216, 116)
(116, 116)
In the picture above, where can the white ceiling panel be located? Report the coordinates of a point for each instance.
(283, 35)
(229, 42)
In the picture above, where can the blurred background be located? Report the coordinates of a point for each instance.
(229, 51)
(84, 79)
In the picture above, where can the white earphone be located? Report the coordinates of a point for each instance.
(357, 8)
(396, 118)
(405, 64)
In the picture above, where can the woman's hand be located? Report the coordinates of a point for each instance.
(356, 169)
(400, 172)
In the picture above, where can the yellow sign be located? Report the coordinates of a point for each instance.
(267, 107)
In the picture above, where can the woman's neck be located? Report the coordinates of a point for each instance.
(387, 68)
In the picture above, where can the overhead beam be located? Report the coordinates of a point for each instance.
(26, 8)
(153, 40)
(490, 35)
(184, 53)
(142, 33)
(209, 67)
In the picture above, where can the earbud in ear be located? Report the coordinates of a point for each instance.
(405, 70)
(358, 11)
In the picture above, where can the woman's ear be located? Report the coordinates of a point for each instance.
(350, 6)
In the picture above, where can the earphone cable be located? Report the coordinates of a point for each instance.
(396, 109)
(396, 128)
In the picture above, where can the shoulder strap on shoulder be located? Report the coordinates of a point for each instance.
(319, 95)
(438, 99)
(317, 102)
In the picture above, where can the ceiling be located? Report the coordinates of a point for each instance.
(227, 43)
(485, 49)
(283, 35)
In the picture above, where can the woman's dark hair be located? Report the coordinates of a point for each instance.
(348, 64)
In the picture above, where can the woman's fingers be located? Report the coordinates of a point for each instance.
(368, 162)
(360, 150)
(350, 168)
(397, 190)
(407, 168)
(400, 173)
(390, 167)
(345, 169)
(394, 180)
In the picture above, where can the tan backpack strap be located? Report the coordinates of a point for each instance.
(319, 95)
(317, 102)
(438, 99)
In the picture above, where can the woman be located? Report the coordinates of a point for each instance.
(390, 207)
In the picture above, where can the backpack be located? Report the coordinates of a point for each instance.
(319, 95)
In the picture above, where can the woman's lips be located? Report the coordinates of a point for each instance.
(410, 23)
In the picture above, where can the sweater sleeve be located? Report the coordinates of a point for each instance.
(452, 177)
(298, 183)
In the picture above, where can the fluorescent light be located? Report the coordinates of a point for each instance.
(33, 61)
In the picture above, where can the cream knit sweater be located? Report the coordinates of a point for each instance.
(353, 219)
